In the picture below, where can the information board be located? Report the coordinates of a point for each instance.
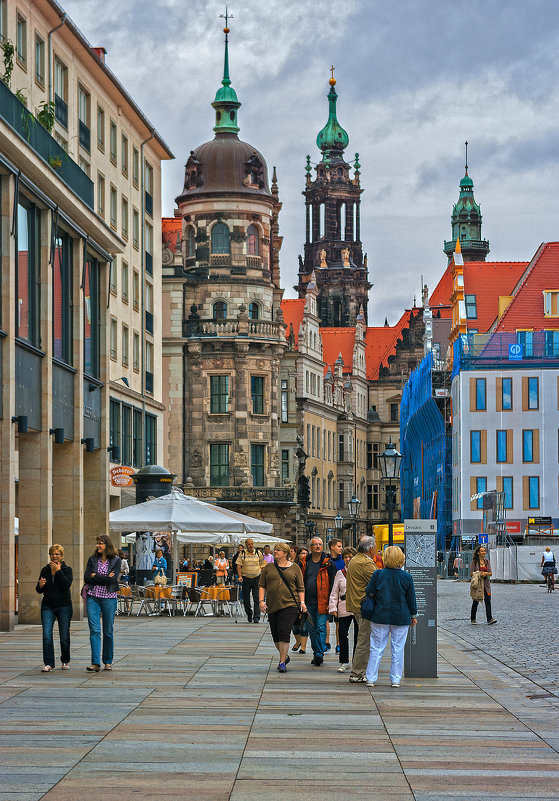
(420, 657)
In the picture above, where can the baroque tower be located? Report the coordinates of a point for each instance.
(333, 248)
(225, 333)
(466, 224)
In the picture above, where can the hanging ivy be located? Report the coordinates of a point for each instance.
(8, 50)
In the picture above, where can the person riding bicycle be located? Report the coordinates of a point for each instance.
(548, 565)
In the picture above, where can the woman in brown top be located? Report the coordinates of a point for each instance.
(481, 563)
(281, 599)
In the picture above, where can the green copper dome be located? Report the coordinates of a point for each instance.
(226, 102)
(332, 139)
(466, 183)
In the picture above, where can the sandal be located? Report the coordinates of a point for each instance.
(108, 667)
(46, 669)
(93, 668)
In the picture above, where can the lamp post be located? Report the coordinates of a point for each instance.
(390, 462)
(353, 506)
(338, 523)
(311, 527)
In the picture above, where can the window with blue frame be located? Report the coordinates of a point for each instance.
(508, 491)
(552, 343)
(506, 394)
(475, 446)
(481, 486)
(481, 394)
(533, 492)
(501, 446)
(526, 339)
(533, 393)
(527, 445)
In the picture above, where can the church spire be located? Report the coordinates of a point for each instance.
(226, 102)
(332, 139)
(466, 223)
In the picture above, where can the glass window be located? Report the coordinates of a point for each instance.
(526, 339)
(341, 495)
(506, 394)
(551, 302)
(501, 446)
(534, 492)
(394, 407)
(253, 245)
(220, 238)
(113, 205)
(471, 307)
(125, 281)
(508, 491)
(100, 128)
(219, 394)
(527, 445)
(219, 310)
(481, 400)
(257, 393)
(481, 486)
(253, 311)
(3, 20)
(21, 46)
(533, 393)
(136, 166)
(136, 228)
(113, 142)
(124, 154)
(219, 465)
(91, 317)
(475, 446)
(39, 59)
(126, 452)
(28, 272)
(190, 243)
(100, 195)
(113, 338)
(114, 425)
(340, 447)
(284, 401)
(136, 289)
(124, 221)
(257, 464)
(148, 177)
(284, 465)
(552, 343)
(113, 280)
(151, 439)
(137, 454)
(136, 352)
(83, 110)
(125, 345)
(62, 299)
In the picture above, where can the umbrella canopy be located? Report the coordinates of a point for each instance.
(179, 512)
(217, 539)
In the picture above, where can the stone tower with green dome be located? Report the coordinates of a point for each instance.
(333, 249)
(466, 223)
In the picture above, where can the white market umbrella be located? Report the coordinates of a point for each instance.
(178, 512)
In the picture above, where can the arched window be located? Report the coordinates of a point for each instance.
(220, 239)
(220, 310)
(253, 245)
(190, 243)
(253, 311)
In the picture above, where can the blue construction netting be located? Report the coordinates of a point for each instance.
(510, 349)
(426, 472)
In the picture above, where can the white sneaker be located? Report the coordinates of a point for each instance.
(370, 684)
(344, 668)
(394, 684)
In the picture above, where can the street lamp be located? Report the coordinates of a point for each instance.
(338, 524)
(390, 462)
(353, 506)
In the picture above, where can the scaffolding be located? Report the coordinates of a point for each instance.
(426, 444)
(506, 349)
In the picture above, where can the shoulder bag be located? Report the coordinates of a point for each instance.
(301, 618)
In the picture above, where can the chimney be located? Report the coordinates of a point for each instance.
(100, 52)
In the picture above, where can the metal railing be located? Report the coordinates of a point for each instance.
(85, 136)
(15, 114)
(266, 329)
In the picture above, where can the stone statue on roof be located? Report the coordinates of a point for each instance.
(322, 254)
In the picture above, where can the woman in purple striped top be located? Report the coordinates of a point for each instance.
(101, 577)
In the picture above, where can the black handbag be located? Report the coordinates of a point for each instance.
(301, 618)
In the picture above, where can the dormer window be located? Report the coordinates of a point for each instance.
(471, 307)
(551, 302)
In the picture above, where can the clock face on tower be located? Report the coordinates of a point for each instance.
(421, 550)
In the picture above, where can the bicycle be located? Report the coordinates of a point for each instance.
(549, 579)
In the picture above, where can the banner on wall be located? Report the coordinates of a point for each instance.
(121, 476)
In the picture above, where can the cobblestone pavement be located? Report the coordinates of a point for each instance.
(526, 636)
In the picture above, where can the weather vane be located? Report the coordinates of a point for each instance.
(227, 16)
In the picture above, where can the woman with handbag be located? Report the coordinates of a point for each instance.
(159, 568)
(282, 595)
(100, 590)
(54, 584)
(394, 609)
(337, 608)
(481, 564)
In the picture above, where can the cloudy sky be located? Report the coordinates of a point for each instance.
(416, 78)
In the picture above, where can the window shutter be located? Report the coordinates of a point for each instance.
(473, 489)
(524, 394)
(499, 483)
(536, 445)
(499, 394)
(525, 492)
(472, 394)
(510, 458)
(483, 446)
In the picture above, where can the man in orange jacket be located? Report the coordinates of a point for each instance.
(319, 573)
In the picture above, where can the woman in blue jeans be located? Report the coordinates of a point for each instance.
(101, 580)
(54, 584)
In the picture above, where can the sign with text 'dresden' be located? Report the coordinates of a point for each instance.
(121, 476)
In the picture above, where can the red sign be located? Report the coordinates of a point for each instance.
(513, 526)
(121, 476)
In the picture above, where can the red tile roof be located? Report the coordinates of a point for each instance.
(526, 310)
(441, 294)
(293, 314)
(171, 228)
(380, 343)
(336, 341)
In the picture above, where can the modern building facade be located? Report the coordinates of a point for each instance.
(76, 156)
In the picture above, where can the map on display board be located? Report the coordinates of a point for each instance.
(421, 550)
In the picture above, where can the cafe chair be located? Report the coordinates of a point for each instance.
(204, 599)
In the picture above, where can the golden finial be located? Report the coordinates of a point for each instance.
(332, 80)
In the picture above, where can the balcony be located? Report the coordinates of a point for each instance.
(16, 115)
(61, 111)
(85, 136)
(244, 495)
(149, 382)
(149, 204)
(149, 263)
(256, 329)
(149, 322)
